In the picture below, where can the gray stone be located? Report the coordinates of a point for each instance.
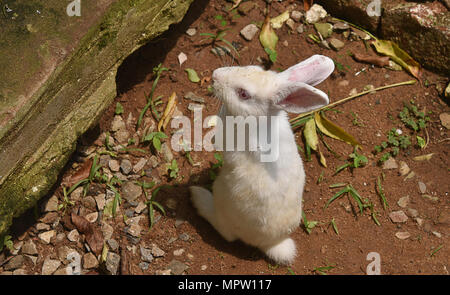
(76, 194)
(42, 226)
(290, 23)
(117, 123)
(14, 263)
(300, 28)
(315, 14)
(46, 236)
(390, 164)
(184, 237)
(194, 97)
(19, 272)
(89, 202)
(112, 262)
(134, 230)
(156, 251)
(336, 44)
(403, 168)
(249, 32)
(403, 235)
(140, 207)
(403, 201)
(29, 247)
(126, 166)
(92, 217)
(114, 165)
(398, 216)
(445, 118)
(50, 266)
(139, 165)
(146, 254)
(122, 136)
(413, 213)
(422, 187)
(340, 26)
(166, 152)
(144, 265)
(296, 15)
(113, 245)
(131, 191)
(52, 204)
(100, 200)
(177, 267)
(107, 231)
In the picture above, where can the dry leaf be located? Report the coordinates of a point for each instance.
(381, 61)
(93, 235)
(79, 175)
(392, 50)
(423, 157)
(307, 4)
(332, 130)
(267, 37)
(204, 80)
(182, 57)
(278, 21)
(167, 115)
(236, 4)
(311, 135)
(323, 161)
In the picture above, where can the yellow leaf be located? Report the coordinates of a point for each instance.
(278, 21)
(311, 135)
(165, 118)
(267, 37)
(323, 161)
(332, 130)
(392, 50)
(423, 157)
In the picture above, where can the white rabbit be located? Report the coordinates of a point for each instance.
(259, 202)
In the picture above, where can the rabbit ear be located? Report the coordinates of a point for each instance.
(300, 98)
(311, 71)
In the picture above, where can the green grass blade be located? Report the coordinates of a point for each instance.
(337, 195)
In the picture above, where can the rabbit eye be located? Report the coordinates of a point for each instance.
(243, 94)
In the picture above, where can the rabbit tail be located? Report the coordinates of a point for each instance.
(283, 252)
(204, 202)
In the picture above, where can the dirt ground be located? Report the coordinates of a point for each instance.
(323, 250)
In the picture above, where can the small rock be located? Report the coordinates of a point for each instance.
(403, 235)
(178, 252)
(113, 245)
(290, 23)
(52, 204)
(32, 258)
(153, 161)
(285, 43)
(437, 234)
(422, 187)
(325, 29)
(203, 267)
(336, 44)
(140, 207)
(419, 221)
(89, 202)
(92, 217)
(126, 166)
(431, 198)
(131, 191)
(403, 169)
(164, 272)
(117, 123)
(76, 194)
(413, 213)
(19, 272)
(296, 15)
(390, 163)
(156, 251)
(194, 97)
(445, 119)
(184, 237)
(300, 28)
(29, 247)
(166, 152)
(50, 217)
(135, 230)
(444, 217)
(100, 200)
(361, 34)
(14, 263)
(122, 136)
(89, 261)
(403, 201)
(107, 231)
(42, 226)
(114, 165)
(246, 7)
(177, 267)
(249, 31)
(139, 165)
(50, 266)
(46, 236)
(146, 254)
(315, 14)
(340, 26)
(398, 216)
(191, 31)
(343, 83)
(73, 236)
(112, 262)
(144, 265)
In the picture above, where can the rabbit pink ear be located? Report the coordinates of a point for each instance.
(311, 71)
(300, 98)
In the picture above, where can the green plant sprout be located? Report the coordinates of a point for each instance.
(155, 138)
(151, 202)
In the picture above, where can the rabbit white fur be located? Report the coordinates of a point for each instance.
(258, 202)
